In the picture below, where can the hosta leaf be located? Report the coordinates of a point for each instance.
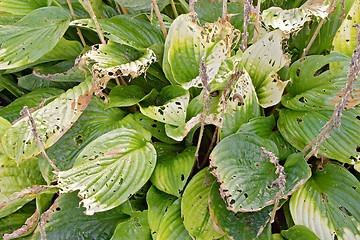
(172, 108)
(9, 18)
(137, 227)
(110, 169)
(345, 39)
(247, 173)
(4, 126)
(31, 82)
(109, 65)
(12, 111)
(262, 60)
(127, 30)
(265, 127)
(125, 96)
(158, 203)
(299, 232)
(14, 179)
(66, 220)
(194, 207)
(328, 204)
(95, 121)
(22, 7)
(238, 225)
(313, 84)
(171, 174)
(142, 5)
(185, 45)
(42, 29)
(95, 5)
(300, 127)
(52, 122)
(156, 128)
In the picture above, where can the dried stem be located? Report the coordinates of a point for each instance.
(77, 29)
(97, 25)
(118, 8)
(257, 21)
(158, 15)
(174, 9)
(211, 146)
(247, 13)
(342, 10)
(192, 10)
(125, 12)
(40, 143)
(224, 10)
(346, 93)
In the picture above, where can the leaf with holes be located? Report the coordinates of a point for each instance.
(173, 101)
(66, 220)
(171, 174)
(238, 225)
(316, 81)
(42, 29)
(158, 203)
(125, 29)
(16, 220)
(110, 169)
(250, 176)
(265, 127)
(301, 127)
(185, 45)
(52, 121)
(194, 207)
(16, 182)
(32, 99)
(345, 39)
(21, 7)
(262, 60)
(328, 204)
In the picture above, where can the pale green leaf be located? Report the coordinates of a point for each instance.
(316, 81)
(328, 204)
(32, 99)
(246, 172)
(41, 29)
(301, 127)
(9, 18)
(22, 7)
(66, 220)
(142, 5)
(158, 203)
(52, 121)
(262, 60)
(238, 225)
(110, 169)
(345, 39)
(171, 174)
(194, 207)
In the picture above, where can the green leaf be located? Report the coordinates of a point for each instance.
(142, 5)
(14, 183)
(52, 122)
(345, 39)
(171, 174)
(194, 207)
(108, 65)
(125, 29)
(4, 126)
(299, 232)
(42, 29)
(125, 96)
(22, 7)
(185, 45)
(12, 111)
(110, 169)
(95, 5)
(238, 225)
(328, 204)
(14, 221)
(262, 60)
(316, 81)
(9, 18)
(66, 220)
(172, 108)
(301, 127)
(247, 173)
(137, 227)
(265, 127)
(158, 203)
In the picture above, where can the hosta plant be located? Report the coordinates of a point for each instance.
(176, 119)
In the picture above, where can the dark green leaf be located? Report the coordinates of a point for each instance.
(299, 232)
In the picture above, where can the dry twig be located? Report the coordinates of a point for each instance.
(77, 29)
(257, 21)
(97, 25)
(159, 17)
(192, 10)
(174, 9)
(247, 13)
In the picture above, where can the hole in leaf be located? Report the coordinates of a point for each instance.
(321, 70)
(246, 195)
